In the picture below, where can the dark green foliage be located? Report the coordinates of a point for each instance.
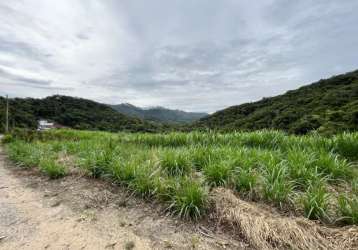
(328, 106)
(71, 112)
(7, 139)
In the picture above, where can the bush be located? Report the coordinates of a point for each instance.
(8, 138)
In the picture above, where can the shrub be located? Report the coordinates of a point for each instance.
(8, 138)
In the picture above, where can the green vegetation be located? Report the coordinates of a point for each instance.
(327, 106)
(315, 201)
(158, 114)
(71, 112)
(310, 174)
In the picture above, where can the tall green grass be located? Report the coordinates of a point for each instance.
(180, 169)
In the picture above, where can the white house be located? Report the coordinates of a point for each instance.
(45, 125)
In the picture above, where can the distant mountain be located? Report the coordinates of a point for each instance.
(71, 112)
(328, 106)
(158, 114)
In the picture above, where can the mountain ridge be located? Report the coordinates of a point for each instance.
(158, 113)
(328, 106)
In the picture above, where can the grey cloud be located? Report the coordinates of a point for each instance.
(23, 80)
(194, 55)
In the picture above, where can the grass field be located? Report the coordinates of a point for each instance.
(308, 175)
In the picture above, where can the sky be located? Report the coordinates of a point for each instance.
(194, 55)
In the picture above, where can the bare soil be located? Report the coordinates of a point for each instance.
(78, 213)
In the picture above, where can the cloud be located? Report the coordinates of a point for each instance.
(193, 55)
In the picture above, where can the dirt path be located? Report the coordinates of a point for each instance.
(77, 213)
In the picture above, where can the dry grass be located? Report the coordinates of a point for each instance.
(263, 229)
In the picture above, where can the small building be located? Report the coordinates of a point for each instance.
(45, 125)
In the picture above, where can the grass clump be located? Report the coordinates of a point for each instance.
(217, 174)
(333, 167)
(276, 186)
(189, 199)
(144, 181)
(51, 168)
(348, 209)
(175, 163)
(202, 156)
(315, 201)
(123, 172)
(244, 180)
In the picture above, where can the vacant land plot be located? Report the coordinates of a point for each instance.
(201, 175)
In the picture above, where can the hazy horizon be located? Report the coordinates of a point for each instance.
(199, 56)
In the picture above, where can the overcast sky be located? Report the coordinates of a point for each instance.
(201, 55)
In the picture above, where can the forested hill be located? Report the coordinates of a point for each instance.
(158, 114)
(70, 112)
(329, 106)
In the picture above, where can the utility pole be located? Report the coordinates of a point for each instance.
(7, 115)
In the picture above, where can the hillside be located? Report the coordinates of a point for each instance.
(71, 112)
(158, 114)
(329, 106)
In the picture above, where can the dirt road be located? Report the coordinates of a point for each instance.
(77, 213)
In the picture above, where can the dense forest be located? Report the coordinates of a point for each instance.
(159, 114)
(327, 106)
(71, 112)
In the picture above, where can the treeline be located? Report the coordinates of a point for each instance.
(327, 106)
(71, 112)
